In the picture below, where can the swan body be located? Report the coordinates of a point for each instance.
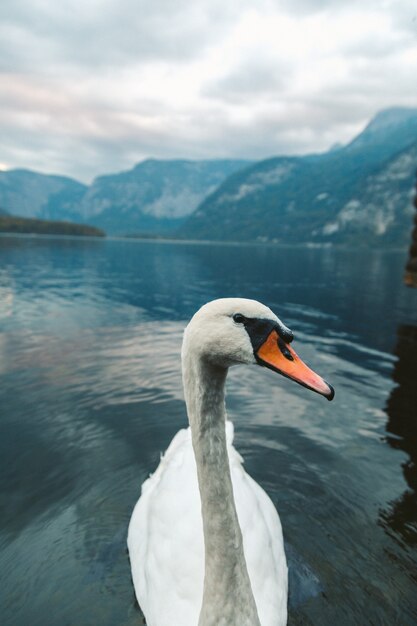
(168, 514)
(205, 541)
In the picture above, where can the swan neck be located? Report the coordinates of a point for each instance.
(227, 597)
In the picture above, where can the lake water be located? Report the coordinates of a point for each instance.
(90, 395)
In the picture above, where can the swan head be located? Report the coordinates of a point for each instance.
(232, 331)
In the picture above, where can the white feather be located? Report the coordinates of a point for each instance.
(166, 544)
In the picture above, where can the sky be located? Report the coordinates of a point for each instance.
(93, 87)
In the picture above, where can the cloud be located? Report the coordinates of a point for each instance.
(106, 34)
(93, 88)
(254, 78)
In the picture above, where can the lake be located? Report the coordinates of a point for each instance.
(90, 395)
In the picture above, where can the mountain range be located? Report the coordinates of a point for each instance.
(153, 197)
(357, 193)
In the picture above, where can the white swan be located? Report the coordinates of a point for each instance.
(205, 541)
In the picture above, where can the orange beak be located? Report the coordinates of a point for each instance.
(278, 355)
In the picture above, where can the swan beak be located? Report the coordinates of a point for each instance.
(279, 356)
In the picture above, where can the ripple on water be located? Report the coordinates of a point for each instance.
(90, 393)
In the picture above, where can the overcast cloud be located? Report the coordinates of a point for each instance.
(93, 87)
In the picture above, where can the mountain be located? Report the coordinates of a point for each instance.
(387, 133)
(30, 194)
(357, 193)
(155, 196)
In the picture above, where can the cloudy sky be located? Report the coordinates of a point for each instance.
(92, 87)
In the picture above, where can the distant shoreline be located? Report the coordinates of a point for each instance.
(185, 242)
(11, 224)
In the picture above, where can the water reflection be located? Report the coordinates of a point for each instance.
(401, 516)
(90, 283)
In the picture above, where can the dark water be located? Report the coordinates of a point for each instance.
(90, 394)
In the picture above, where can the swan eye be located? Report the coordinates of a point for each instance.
(239, 318)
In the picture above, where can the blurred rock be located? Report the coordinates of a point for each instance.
(410, 277)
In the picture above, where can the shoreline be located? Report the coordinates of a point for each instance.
(205, 242)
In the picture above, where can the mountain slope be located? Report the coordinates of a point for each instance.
(155, 196)
(386, 134)
(381, 209)
(303, 199)
(30, 194)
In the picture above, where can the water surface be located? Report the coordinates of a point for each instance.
(90, 394)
